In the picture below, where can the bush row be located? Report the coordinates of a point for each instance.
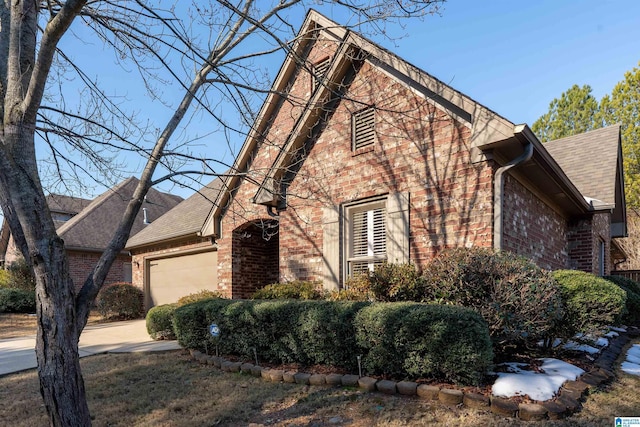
(520, 302)
(401, 339)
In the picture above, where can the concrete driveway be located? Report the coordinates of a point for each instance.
(18, 354)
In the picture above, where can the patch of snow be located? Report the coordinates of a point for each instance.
(541, 386)
(602, 342)
(618, 329)
(630, 368)
(633, 359)
(632, 363)
(611, 334)
(576, 346)
(634, 350)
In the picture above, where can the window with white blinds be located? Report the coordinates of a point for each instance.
(363, 127)
(319, 72)
(367, 238)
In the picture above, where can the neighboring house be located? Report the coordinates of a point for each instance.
(62, 209)
(370, 160)
(170, 257)
(87, 233)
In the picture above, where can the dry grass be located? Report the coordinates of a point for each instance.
(170, 389)
(17, 325)
(13, 325)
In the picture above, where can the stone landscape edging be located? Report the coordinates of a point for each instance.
(568, 401)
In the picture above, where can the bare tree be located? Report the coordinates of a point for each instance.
(212, 51)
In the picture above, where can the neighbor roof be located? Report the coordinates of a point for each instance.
(66, 205)
(590, 160)
(94, 226)
(183, 220)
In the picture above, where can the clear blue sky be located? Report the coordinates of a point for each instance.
(514, 57)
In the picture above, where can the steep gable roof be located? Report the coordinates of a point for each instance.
(593, 162)
(185, 219)
(93, 227)
(487, 127)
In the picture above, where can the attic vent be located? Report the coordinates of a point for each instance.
(319, 72)
(363, 127)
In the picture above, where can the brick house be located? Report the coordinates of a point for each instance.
(86, 226)
(357, 158)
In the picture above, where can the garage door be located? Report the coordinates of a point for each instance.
(175, 277)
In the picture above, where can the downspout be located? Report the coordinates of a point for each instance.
(498, 191)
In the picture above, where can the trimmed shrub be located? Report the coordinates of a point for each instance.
(160, 322)
(204, 294)
(17, 301)
(422, 340)
(632, 289)
(397, 282)
(591, 302)
(120, 301)
(297, 289)
(520, 302)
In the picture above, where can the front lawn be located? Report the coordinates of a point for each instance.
(170, 389)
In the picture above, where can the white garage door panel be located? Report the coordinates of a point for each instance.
(172, 278)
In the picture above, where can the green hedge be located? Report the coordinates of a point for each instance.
(419, 340)
(591, 302)
(444, 342)
(281, 331)
(632, 289)
(17, 301)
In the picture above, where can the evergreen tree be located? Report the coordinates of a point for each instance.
(623, 106)
(573, 113)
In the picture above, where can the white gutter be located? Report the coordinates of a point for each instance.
(498, 189)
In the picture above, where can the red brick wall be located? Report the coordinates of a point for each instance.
(533, 229)
(255, 259)
(420, 149)
(584, 239)
(82, 263)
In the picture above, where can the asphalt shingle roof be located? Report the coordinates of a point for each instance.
(185, 219)
(94, 226)
(66, 204)
(590, 160)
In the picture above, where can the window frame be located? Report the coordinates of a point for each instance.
(372, 259)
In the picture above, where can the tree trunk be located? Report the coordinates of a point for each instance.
(61, 383)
